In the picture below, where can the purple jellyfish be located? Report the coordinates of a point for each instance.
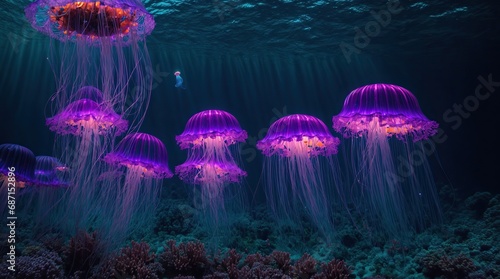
(211, 166)
(51, 185)
(86, 130)
(17, 173)
(16, 161)
(89, 127)
(299, 149)
(49, 172)
(213, 131)
(396, 191)
(102, 44)
(212, 177)
(145, 162)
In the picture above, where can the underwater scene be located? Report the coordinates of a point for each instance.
(232, 139)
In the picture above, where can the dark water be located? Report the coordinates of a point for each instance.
(261, 60)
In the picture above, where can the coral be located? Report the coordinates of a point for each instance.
(228, 265)
(82, 253)
(281, 260)
(260, 270)
(304, 267)
(134, 262)
(435, 265)
(478, 202)
(492, 214)
(335, 269)
(174, 219)
(42, 264)
(187, 259)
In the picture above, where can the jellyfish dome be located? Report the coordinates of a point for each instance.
(392, 108)
(90, 93)
(134, 198)
(121, 21)
(83, 115)
(392, 184)
(209, 127)
(297, 179)
(20, 158)
(49, 172)
(143, 153)
(298, 134)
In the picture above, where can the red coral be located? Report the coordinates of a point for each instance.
(132, 262)
(281, 260)
(230, 263)
(305, 267)
(335, 269)
(82, 253)
(187, 259)
(451, 268)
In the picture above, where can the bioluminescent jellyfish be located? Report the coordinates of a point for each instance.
(297, 173)
(50, 185)
(18, 162)
(212, 131)
(211, 165)
(178, 80)
(392, 179)
(212, 178)
(88, 127)
(98, 43)
(50, 172)
(17, 173)
(90, 93)
(85, 131)
(144, 160)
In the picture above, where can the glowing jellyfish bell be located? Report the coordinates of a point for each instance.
(84, 118)
(296, 176)
(213, 131)
(383, 108)
(143, 155)
(50, 172)
(145, 160)
(101, 45)
(122, 21)
(210, 165)
(394, 201)
(19, 161)
(17, 171)
(90, 93)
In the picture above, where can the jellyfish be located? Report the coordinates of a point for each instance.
(213, 177)
(178, 80)
(213, 132)
(98, 43)
(211, 138)
(86, 129)
(49, 172)
(296, 177)
(51, 184)
(144, 160)
(17, 172)
(392, 181)
(85, 132)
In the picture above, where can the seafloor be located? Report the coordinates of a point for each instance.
(465, 246)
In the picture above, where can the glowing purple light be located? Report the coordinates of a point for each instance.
(298, 134)
(141, 153)
(119, 21)
(391, 108)
(211, 127)
(83, 115)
